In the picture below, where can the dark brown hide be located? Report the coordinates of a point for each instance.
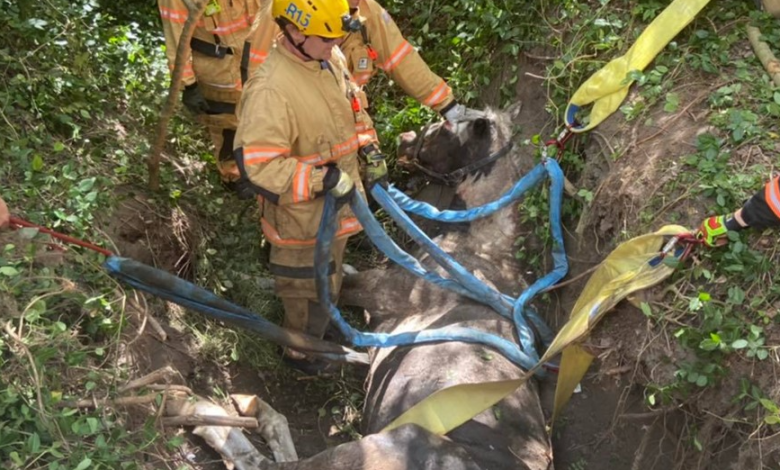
(512, 434)
(406, 448)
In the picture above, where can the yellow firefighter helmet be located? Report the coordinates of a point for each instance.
(325, 18)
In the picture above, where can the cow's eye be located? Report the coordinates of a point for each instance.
(481, 127)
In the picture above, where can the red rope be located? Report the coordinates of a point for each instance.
(16, 223)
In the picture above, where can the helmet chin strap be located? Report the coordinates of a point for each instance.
(298, 47)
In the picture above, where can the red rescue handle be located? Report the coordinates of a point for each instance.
(16, 223)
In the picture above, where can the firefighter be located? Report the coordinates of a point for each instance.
(212, 74)
(376, 45)
(303, 130)
(761, 211)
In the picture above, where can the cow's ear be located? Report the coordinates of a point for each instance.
(481, 127)
(514, 110)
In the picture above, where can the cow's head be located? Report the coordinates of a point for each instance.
(443, 147)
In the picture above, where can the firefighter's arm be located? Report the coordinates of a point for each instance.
(397, 57)
(368, 144)
(259, 41)
(264, 138)
(368, 141)
(763, 209)
(174, 14)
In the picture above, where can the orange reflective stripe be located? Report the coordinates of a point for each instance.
(345, 148)
(348, 226)
(772, 196)
(400, 52)
(301, 181)
(257, 155)
(337, 151)
(441, 92)
(187, 72)
(228, 28)
(362, 78)
(174, 16)
(257, 56)
(228, 86)
(365, 138)
(187, 66)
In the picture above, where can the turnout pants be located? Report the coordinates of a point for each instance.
(293, 271)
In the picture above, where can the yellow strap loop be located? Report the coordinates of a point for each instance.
(608, 87)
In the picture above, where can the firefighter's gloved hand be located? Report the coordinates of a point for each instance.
(243, 188)
(193, 99)
(713, 231)
(376, 165)
(338, 183)
(456, 112)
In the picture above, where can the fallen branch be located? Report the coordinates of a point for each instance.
(575, 278)
(764, 54)
(182, 55)
(210, 420)
(121, 401)
(164, 374)
(570, 189)
(171, 388)
(648, 414)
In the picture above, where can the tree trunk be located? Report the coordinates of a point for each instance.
(182, 53)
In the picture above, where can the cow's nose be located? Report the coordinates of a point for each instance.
(408, 137)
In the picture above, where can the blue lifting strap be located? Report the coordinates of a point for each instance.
(462, 282)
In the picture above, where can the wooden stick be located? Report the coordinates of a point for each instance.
(170, 388)
(764, 54)
(160, 375)
(121, 401)
(182, 55)
(575, 278)
(210, 420)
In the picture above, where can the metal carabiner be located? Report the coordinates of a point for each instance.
(559, 141)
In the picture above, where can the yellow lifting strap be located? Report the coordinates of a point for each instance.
(608, 87)
(626, 270)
